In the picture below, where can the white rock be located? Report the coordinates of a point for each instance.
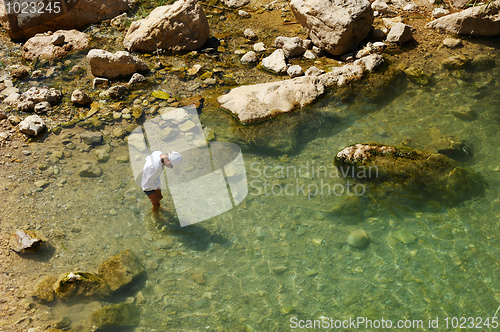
(181, 26)
(314, 71)
(382, 7)
(249, 34)
(275, 62)
(37, 95)
(261, 101)
(114, 65)
(370, 62)
(294, 71)
(335, 26)
(249, 57)
(42, 107)
(259, 47)
(235, 3)
(137, 78)
(452, 42)
(475, 21)
(32, 125)
(243, 13)
(400, 33)
(290, 46)
(440, 12)
(309, 55)
(12, 99)
(411, 7)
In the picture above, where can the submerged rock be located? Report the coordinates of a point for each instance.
(358, 239)
(90, 171)
(178, 27)
(116, 316)
(80, 284)
(402, 174)
(25, 241)
(120, 270)
(44, 290)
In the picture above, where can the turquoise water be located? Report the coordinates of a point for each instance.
(281, 255)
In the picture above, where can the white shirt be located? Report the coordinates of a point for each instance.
(152, 171)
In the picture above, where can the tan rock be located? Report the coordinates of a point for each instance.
(178, 27)
(48, 46)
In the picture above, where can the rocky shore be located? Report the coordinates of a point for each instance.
(73, 88)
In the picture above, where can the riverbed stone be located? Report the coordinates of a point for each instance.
(452, 42)
(43, 291)
(53, 45)
(32, 125)
(181, 26)
(25, 241)
(80, 97)
(483, 62)
(89, 170)
(249, 34)
(235, 3)
(72, 15)
(259, 47)
(295, 71)
(399, 175)
(358, 239)
(42, 107)
(275, 62)
(249, 57)
(114, 65)
(334, 25)
(101, 155)
(117, 91)
(37, 95)
(455, 62)
(91, 138)
(261, 101)
(116, 316)
(482, 20)
(400, 33)
(405, 236)
(291, 46)
(80, 284)
(120, 270)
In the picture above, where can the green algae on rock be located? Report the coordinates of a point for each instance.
(80, 284)
(120, 270)
(407, 174)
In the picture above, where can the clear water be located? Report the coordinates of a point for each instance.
(284, 255)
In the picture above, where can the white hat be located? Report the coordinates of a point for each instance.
(176, 160)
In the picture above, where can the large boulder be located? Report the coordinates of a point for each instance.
(336, 26)
(406, 177)
(261, 101)
(61, 15)
(53, 45)
(258, 102)
(178, 27)
(120, 270)
(114, 65)
(481, 20)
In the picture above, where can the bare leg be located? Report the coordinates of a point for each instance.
(158, 192)
(156, 205)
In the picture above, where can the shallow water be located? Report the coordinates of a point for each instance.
(281, 256)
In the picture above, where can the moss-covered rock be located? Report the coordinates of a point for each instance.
(399, 175)
(120, 270)
(118, 315)
(80, 284)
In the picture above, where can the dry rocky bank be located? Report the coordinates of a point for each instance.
(177, 79)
